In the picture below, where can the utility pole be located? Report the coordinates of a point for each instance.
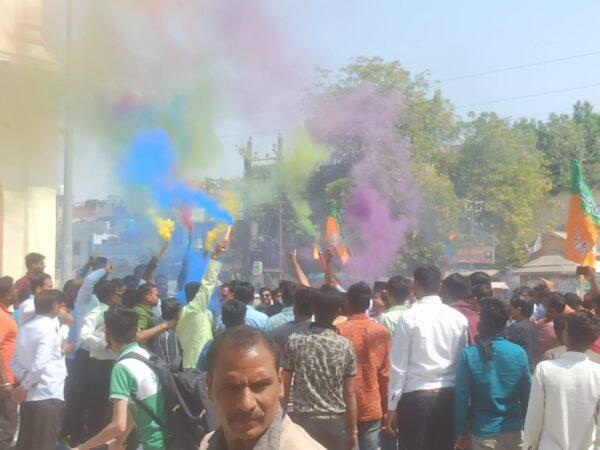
(473, 208)
(67, 216)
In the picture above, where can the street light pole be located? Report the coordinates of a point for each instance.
(472, 208)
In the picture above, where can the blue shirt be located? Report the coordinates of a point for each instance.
(498, 389)
(254, 319)
(286, 315)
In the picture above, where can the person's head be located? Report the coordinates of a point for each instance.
(492, 317)
(521, 307)
(47, 303)
(541, 292)
(359, 298)
(233, 313)
(426, 281)
(398, 289)
(278, 295)
(325, 305)
(477, 278)
(573, 301)
(191, 289)
(100, 262)
(121, 327)
(479, 292)
(245, 383)
(138, 272)
(35, 263)
(147, 294)
(455, 287)
(40, 282)
(7, 294)
(171, 309)
(244, 292)
(130, 282)
(288, 292)
(129, 298)
(581, 331)
(555, 305)
(266, 297)
(106, 292)
(224, 291)
(559, 323)
(120, 286)
(302, 304)
(71, 289)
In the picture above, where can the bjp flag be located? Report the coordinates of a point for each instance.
(334, 234)
(582, 223)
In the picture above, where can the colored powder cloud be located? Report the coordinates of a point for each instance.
(149, 165)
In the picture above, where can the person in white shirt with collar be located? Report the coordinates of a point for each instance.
(427, 341)
(39, 368)
(102, 358)
(40, 282)
(565, 393)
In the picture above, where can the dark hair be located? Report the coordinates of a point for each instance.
(493, 317)
(583, 329)
(456, 287)
(6, 285)
(129, 298)
(119, 283)
(121, 324)
(523, 291)
(556, 301)
(233, 313)
(524, 303)
(559, 323)
(105, 291)
(573, 300)
(288, 290)
(244, 293)
(225, 285)
(170, 309)
(302, 302)
(130, 281)
(325, 305)
(399, 287)
(359, 296)
(276, 291)
(263, 290)
(100, 262)
(477, 278)
(37, 281)
(480, 291)
(45, 300)
(240, 338)
(541, 289)
(428, 278)
(32, 259)
(144, 290)
(191, 289)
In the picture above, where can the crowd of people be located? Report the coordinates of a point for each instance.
(421, 363)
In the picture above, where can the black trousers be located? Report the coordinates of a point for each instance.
(38, 429)
(426, 420)
(9, 418)
(329, 431)
(77, 388)
(98, 412)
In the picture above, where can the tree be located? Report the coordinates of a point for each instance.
(498, 163)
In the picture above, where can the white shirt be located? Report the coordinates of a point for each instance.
(38, 363)
(564, 404)
(427, 341)
(93, 335)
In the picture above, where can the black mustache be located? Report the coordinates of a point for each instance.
(246, 416)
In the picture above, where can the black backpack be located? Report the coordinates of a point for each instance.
(186, 423)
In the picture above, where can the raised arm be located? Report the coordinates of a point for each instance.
(300, 275)
(209, 281)
(185, 265)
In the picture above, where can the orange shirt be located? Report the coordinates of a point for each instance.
(8, 337)
(372, 343)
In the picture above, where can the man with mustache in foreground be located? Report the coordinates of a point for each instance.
(245, 384)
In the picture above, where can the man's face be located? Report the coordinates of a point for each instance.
(514, 312)
(224, 294)
(266, 297)
(47, 284)
(245, 388)
(279, 296)
(39, 267)
(152, 297)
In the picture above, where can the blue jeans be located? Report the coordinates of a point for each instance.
(368, 435)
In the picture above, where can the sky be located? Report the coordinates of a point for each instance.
(446, 38)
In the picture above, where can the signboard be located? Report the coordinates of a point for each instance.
(257, 268)
(477, 254)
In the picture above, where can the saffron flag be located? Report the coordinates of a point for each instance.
(582, 223)
(334, 234)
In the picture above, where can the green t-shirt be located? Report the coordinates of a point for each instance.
(132, 376)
